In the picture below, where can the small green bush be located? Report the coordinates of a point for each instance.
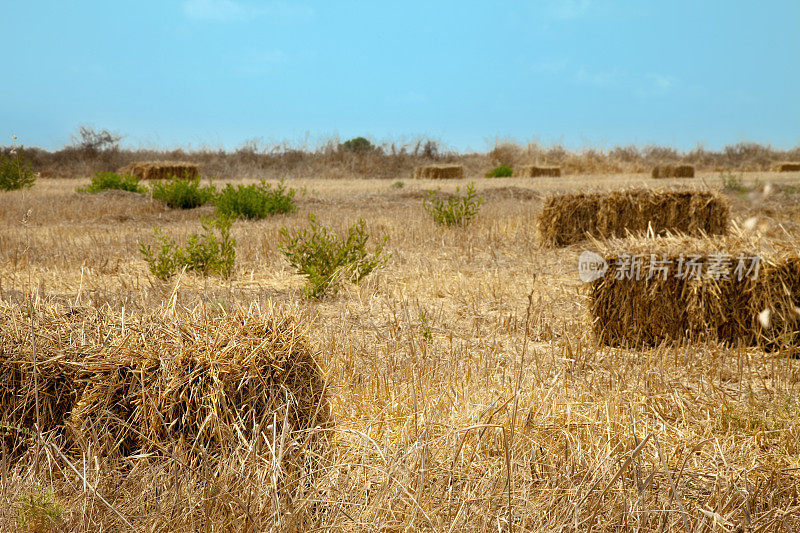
(503, 171)
(255, 201)
(325, 259)
(39, 511)
(455, 211)
(733, 182)
(102, 181)
(205, 253)
(180, 193)
(15, 172)
(398, 184)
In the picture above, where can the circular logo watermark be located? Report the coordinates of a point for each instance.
(591, 266)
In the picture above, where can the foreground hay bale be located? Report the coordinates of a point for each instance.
(787, 167)
(160, 170)
(204, 385)
(568, 218)
(681, 289)
(673, 171)
(55, 367)
(439, 172)
(532, 171)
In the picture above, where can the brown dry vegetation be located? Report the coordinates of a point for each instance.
(396, 160)
(466, 391)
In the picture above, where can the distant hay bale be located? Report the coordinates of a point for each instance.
(787, 167)
(568, 218)
(673, 171)
(725, 290)
(532, 171)
(160, 170)
(204, 384)
(439, 172)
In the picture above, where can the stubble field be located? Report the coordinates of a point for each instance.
(465, 389)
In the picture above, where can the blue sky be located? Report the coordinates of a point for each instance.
(579, 72)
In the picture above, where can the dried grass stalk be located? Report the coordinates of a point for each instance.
(533, 171)
(673, 171)
(439, 172)
(159, 170)
(568, 218)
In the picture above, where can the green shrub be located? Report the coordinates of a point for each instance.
(359, 145)
(733, 182)
(15, 172)
(181, 193)
(39, 511)
(398, 184)
(454, 211)
(503, 171)
(163, 263)
(325, 259)
(102, 181)
(255, 201)
(205, 253)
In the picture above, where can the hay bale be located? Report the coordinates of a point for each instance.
(568, 218)
(205, 385)
(56, 372)
(673, 171)
(787, 167)
(533, 171)
(439, 172)
(720, 296)
(161, 170)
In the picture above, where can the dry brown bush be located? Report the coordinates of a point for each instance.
(394, 160)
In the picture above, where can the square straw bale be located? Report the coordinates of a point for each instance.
(161, 170)
(672, 171)
(533, 171)
(438, 172)
(568, 218)
(712, 306)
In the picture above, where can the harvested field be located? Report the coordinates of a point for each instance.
(788, 167)
(568, 218)
(672, 171)
(439, 172)
(697, 290)
(464, 388)
(532, 171)
(161, 170)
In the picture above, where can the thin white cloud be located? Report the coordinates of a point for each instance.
(614, 78)
(661, 82)
(600, 78)
(550, 67)
(233, 10)
(568, 9)
(214, 10)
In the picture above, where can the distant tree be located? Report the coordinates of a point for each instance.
(87, 138)
(358, 145)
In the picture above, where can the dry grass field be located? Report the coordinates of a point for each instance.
(464, 388)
